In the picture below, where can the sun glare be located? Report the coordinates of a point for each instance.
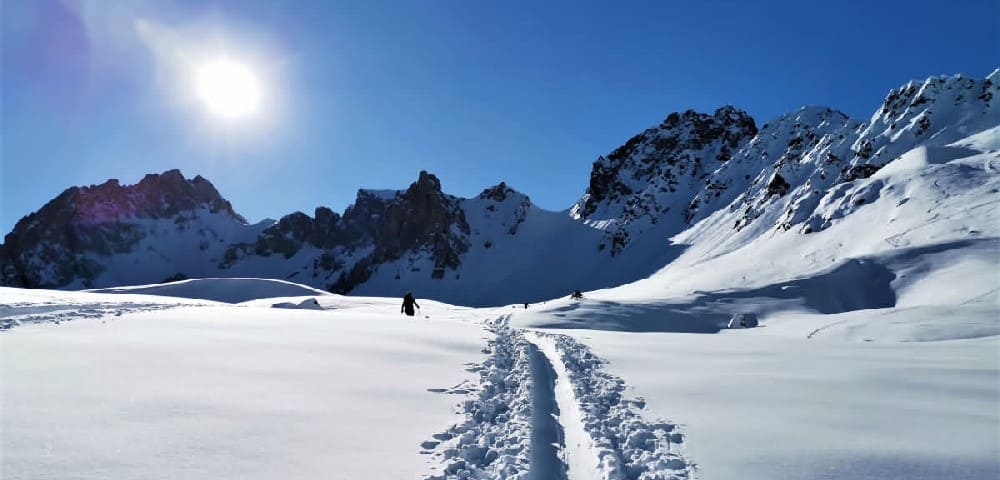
(229, 90)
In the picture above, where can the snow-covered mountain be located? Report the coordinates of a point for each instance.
(164, 226)
(707, 182)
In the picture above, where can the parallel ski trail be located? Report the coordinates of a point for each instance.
(546, 431)
(578, 452)
(546, 409)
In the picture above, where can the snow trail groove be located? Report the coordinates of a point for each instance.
(546, 432)
(545, 409)
(580, 458)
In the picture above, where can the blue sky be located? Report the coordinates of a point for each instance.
(367, 94)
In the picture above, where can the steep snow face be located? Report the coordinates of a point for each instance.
(804, 170)
(652, 177)
(795, 154)
(788, 175)
(933, 112)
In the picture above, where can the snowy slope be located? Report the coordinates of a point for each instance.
(925, 237)
(517, 253)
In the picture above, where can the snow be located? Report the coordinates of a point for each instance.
(228, 392)
(762, 406)
(201, 389)
(581, 456)
(228, 290)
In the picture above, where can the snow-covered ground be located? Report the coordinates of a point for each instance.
(761, 406)
(137, 386)
(217, 391)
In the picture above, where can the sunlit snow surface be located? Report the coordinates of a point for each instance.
(217, 391)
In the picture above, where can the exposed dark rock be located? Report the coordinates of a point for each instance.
(777, 186)
(497, 193)
(859, 171)
(175, 278)
(419, 219)
(665, 153)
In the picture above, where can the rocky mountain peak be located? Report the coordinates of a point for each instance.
(101, 220)
(640, 177)
(426, 183)
(155, 196)
(497, 193)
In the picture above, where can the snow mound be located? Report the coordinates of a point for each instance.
(228, 290)
(307, 304)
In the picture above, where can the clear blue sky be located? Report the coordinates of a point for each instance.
(368, 93)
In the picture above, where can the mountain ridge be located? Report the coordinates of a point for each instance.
(781, 176)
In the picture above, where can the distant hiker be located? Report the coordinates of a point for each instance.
(408, 303)
(525, 306)
(576, 295)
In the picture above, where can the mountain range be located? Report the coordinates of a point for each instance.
(718, 181)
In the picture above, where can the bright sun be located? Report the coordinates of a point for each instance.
(230, 90)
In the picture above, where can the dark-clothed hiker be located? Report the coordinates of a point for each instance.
(408, 303)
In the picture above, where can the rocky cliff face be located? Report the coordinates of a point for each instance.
(418, 219)
(643, 176)
(379, 227)
(651, 177)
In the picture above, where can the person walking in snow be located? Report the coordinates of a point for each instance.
(408, 303)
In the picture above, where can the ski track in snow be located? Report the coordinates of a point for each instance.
(545, 409)
(14, 314)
